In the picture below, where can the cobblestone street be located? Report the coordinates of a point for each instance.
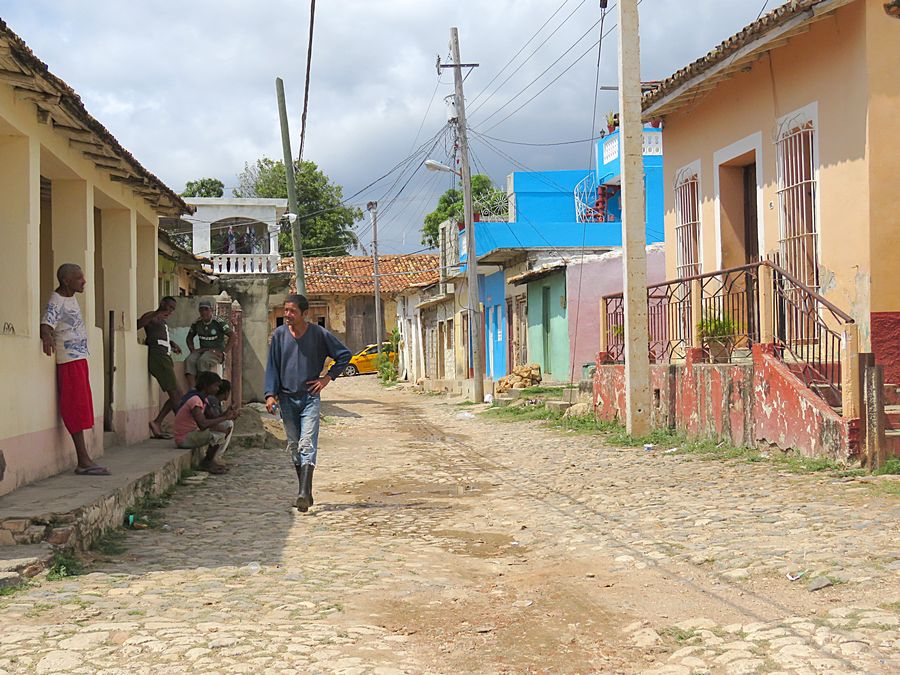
(443, 543)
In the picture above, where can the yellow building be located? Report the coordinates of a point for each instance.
(69, 193)
(783, 141)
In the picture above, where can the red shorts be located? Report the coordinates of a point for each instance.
(76, 406)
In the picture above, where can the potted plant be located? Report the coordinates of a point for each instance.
(718, 333)
(612, 121)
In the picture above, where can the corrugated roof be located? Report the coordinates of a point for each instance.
(59, 106)
(355, 275)
(736, 51)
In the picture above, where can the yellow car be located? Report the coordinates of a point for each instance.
(364, 360)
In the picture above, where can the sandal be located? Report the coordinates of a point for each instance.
(95, 470)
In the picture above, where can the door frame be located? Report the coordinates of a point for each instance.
(751, 143)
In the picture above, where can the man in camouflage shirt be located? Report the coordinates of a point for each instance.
(214, 334)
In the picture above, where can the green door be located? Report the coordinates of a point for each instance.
(545, 322)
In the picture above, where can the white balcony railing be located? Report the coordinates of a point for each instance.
(245, 263)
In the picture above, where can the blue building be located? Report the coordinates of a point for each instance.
(554, 216)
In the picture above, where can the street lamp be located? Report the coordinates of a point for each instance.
(434, 165)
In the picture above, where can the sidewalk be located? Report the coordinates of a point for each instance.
(72, 511)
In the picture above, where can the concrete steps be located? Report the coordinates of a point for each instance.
(892, 416)
(558, 406)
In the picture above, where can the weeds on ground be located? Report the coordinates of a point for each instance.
(185, 474)
(678, 634)
(464, 404)
(890, 468)
(616, 435)
(64, 564)
(539, 390)
(111, 543)
(7, 591)
(146, 511)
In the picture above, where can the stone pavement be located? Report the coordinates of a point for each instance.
(446, 543)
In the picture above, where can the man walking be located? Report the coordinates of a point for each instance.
(215, 338)
(297, 355)
(63, 333)
(159, 359)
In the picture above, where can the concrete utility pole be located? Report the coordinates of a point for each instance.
(471, 257)
(634, 238)
(372, 207)
(291, 187)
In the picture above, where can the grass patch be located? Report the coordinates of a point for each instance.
(185, 474)
(64, 564)
(678, 634)
(614, 434)
(465, 404)
(7, 591)
(111, 543)
(540, 390)
(890, 489)
(889, 468)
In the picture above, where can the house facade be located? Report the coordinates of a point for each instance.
(790, 152)
(780, 228)
(70, 194)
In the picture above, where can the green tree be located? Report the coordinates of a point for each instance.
(326, 225)
(204, 187)
(450, 207)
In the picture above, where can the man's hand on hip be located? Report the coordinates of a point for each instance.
(317, 385)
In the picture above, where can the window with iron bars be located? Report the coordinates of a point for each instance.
(687, 225)
(797, 202)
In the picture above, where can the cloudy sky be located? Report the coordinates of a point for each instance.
(188, 86)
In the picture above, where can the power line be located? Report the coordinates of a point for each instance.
(541, 145)
(544, 72)
(555, 79)
(312, 23)
(427, 110)
(521, 49)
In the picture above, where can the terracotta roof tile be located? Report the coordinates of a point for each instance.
(354, 275)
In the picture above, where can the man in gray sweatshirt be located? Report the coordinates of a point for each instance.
(296, 357)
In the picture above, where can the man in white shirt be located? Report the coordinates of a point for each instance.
(63, 333)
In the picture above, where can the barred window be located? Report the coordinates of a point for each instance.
(797, 201)
(687, 224)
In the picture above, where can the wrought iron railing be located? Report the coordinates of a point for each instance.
(722, 313)
(808, 331)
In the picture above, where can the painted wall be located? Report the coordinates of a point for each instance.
(882, 65)
(493, 298)
(115, 245)
(545, 212)
(758, 404)
(846, 65)
(586, 284)
(555, 360)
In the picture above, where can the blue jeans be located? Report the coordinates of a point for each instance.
(300, 415)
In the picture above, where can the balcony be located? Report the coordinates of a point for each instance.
(245, 263)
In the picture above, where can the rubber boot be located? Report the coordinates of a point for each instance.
(304, 498)
(309, 477)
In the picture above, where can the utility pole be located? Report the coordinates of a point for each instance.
(634, 238)
(372, 208)
(291, 186)
(471, 257)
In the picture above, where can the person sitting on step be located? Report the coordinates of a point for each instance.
(194, 430)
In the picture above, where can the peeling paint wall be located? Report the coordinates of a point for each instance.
(761, 404)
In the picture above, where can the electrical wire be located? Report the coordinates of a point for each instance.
(528, 58)
(312, 23)
(544, 145)
(544, 72)
(555, 79)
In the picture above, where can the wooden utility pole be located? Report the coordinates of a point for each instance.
(291, 187)
(471, 256)
(634, 238)
(372, 207)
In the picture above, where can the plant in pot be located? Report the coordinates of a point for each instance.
(612, 121)
(717, 333)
